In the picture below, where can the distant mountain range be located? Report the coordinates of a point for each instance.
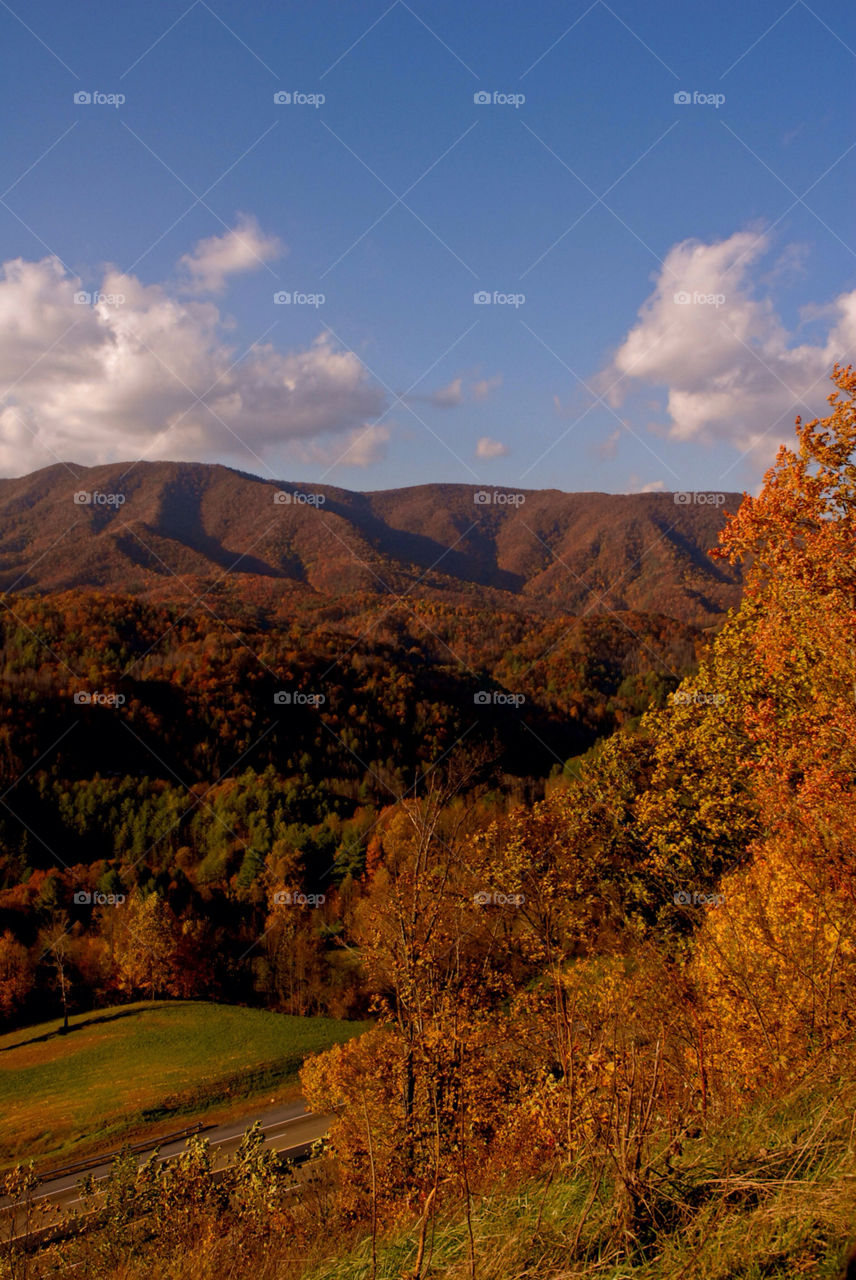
(166, 529)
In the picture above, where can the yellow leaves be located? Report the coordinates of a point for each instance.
(776, 966)
(776, 962)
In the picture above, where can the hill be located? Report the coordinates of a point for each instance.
(164, 529)
(737, 1213)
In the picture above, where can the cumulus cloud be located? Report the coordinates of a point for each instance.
(244, 248)
(137, 372)
(731, 368)
(459, 391)
(636, 484)
(486, 386)
(448, 397)
(488, 448)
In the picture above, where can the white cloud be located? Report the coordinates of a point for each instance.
(360, 447)
(458, 392)
(731, 368)
(121, 379)
(635, 485)
(488, 448)
(213, 260)
(485, 386)
(448, 397)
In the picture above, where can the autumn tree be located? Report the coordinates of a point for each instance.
(421, 1096)
(777, 959)
(145, 946)
(293, 951)
(16, 975)
(55, 943)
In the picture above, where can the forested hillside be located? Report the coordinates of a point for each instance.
(204, 761)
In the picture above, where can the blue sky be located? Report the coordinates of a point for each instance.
(594, 202)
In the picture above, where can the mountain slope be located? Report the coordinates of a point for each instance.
(166, 529)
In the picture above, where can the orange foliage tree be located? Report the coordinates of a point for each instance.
(776, 961)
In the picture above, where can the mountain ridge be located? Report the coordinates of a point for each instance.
(159, 528)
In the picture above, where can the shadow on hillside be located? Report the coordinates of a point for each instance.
(77, 1026)
(180, 518)
(476, 563)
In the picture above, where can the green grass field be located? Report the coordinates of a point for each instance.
(122, 1070)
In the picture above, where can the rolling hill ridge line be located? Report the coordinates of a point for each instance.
(161, 529)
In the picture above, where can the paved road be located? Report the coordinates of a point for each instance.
(285, 1128)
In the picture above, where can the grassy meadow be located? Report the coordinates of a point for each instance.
(120, 1069)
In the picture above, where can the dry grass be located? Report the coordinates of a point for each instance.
(771, 1197)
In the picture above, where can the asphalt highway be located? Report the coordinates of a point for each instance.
(286, 1129)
